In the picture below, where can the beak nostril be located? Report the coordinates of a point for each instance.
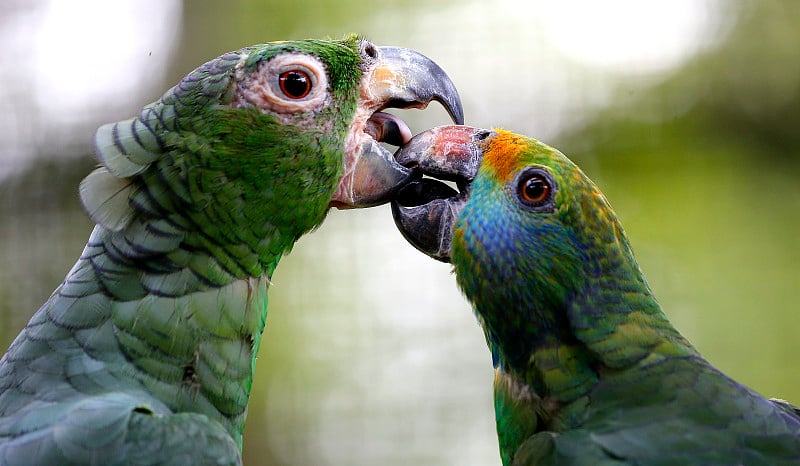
(480, 136)
(370, 50)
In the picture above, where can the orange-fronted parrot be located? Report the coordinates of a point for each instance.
(588, 370)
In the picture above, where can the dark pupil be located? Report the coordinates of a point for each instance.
(535, 189)
(295, 84)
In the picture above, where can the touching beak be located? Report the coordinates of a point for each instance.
(399, 78)
(425, 210)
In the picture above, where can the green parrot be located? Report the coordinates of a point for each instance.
(588, 370)
(145, 353)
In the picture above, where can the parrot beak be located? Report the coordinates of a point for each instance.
(394, 78)
(425, 210)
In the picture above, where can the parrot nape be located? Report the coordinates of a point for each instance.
(588, 370)
(145, 353)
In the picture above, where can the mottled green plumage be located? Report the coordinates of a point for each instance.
(589, 371)
(145, 353)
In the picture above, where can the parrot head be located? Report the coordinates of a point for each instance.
(527, 232)
(264, 140)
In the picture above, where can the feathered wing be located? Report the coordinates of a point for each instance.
(117, 428)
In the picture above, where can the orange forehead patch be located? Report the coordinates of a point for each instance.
(502, 154)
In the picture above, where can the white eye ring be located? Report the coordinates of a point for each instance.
(262, 88)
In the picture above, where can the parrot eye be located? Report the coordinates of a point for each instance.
(295, 84)
(289, 84)
(535, 190)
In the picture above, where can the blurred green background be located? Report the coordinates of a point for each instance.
(685, 112)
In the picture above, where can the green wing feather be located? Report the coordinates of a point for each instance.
(116, 428)
(105, 198)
